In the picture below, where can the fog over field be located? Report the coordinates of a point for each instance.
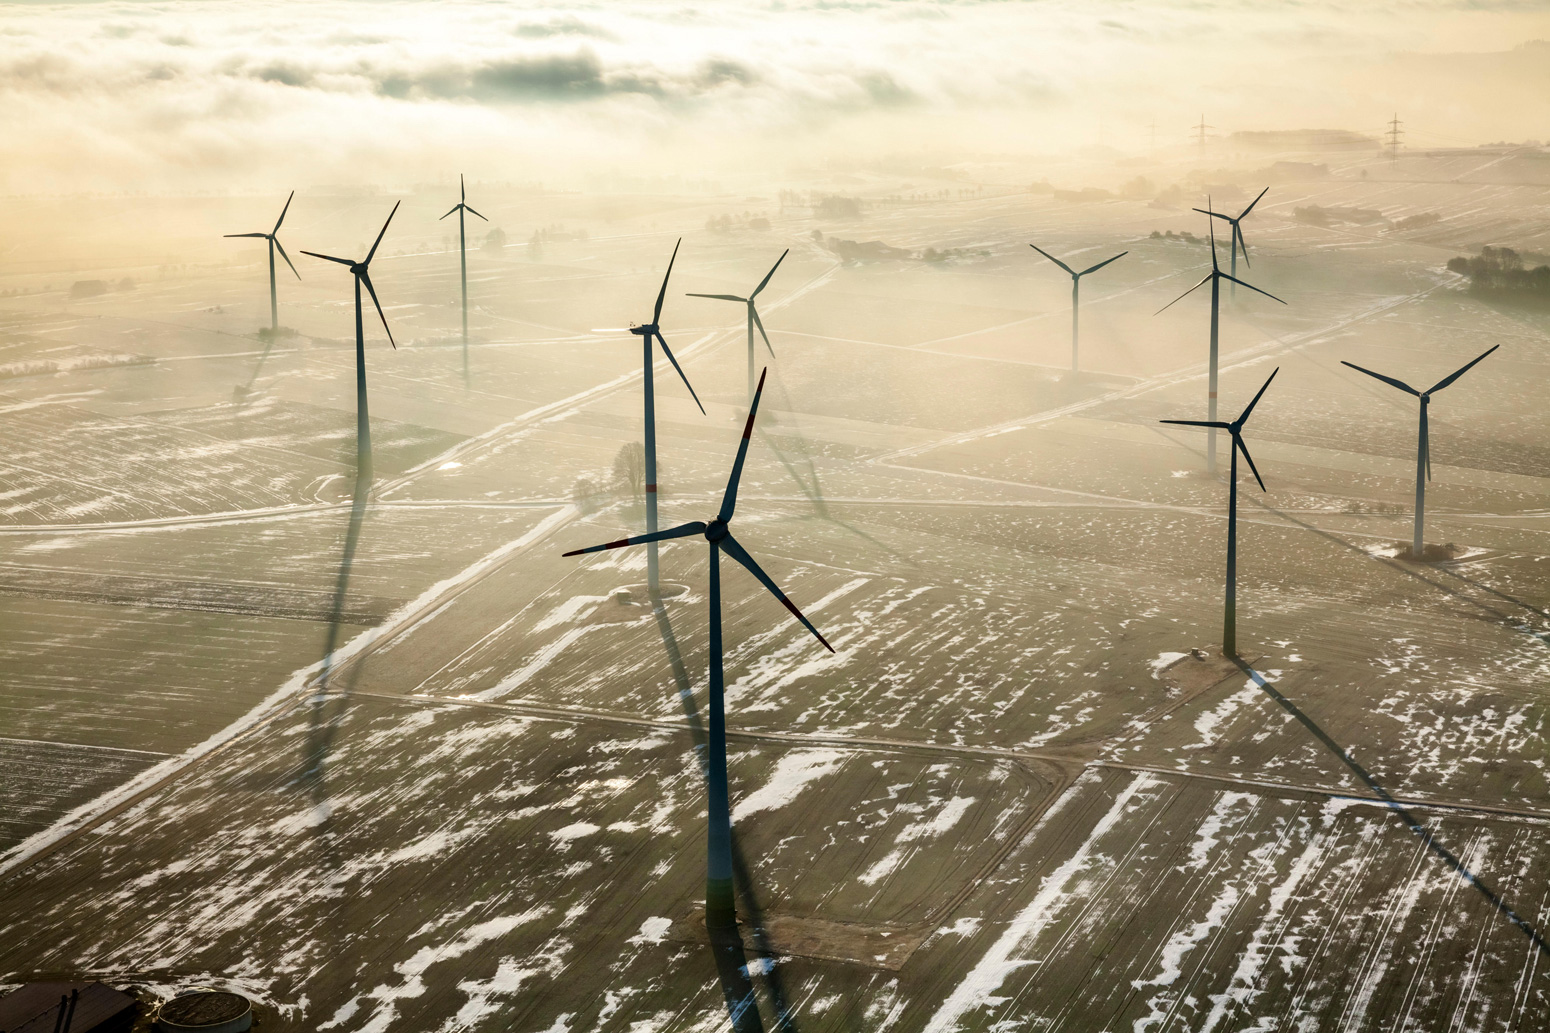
(303, 699)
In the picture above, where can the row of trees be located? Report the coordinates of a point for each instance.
(1502, 273)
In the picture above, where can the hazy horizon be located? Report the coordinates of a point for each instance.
(243, 96)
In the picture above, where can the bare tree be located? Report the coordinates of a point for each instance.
(630, 467)
(586, 493)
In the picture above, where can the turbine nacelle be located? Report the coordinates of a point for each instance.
(273, 236)
(718, 533)
(361, 271)
(1216, 273)
(1235, 428)
(1424, 396)
(654, 328)
(1237, 230)
(753, 309)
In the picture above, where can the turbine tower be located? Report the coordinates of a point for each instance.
(274, 242)
(1237, 243)
(1423, 455)
(1215, 277)
(1076, 281)
(1235, 428)
(646, 331)
(361, 271)
(462, 256)
(753, 316)
(720, 911)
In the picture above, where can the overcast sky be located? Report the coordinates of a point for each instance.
(212, 95)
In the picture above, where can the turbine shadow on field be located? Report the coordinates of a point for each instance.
(728, 948)
(241, 393)
(1404, 815)
(1505, 597)
(814, 493)
(1507, 619)
(323, 724)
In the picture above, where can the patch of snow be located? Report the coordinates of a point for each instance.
(652, 930)
(573, 831)
(793, 773)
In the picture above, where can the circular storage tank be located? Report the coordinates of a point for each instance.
(206, 1011)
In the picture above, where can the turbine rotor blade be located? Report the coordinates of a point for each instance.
(1237, 237)
(733, 548)
(466, 208)
(372, 253)
(718, 297)
(1186, 294)
(681, 531)
(729, 500)
(1052, 258)
(1100, 265)
(669, 352)
(769, 274)
(1379, 376)
(454, 208)
(366, 279)
(1200, 423)
(1252, 203)
(245, 235)
(462, 188)
(1250, 286)
(1212, 227)
(282, 214)
(1245, 417)
(1237, 440)
(281, 248)
(1214, 215)
(656, 313)
(331, 258)
(760, 324)
(1450, 378)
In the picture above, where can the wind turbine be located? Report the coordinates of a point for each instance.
(720, 912)
(274, 242)
(362, 274)
(1076, 280)
(462, 255)
(1423, 456)
(646, 332)
(753, 316)
(1235, 428)
(1215, 277)
(1237, 243)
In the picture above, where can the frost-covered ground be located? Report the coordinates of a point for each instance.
(1010, 800)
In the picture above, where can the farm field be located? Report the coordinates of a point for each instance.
(381, 758)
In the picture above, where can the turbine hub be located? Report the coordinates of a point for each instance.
(716, 530)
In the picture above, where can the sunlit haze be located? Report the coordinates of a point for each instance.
(230, 96)
(909, 516)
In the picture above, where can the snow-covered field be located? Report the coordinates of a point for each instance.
(1011, 799)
